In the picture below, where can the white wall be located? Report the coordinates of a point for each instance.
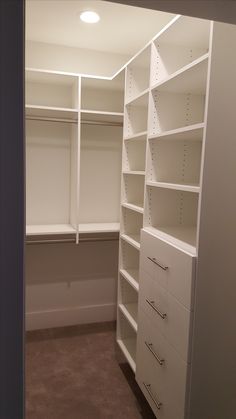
(75, 60)
(70, 284)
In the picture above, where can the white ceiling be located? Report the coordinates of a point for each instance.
(121, 30)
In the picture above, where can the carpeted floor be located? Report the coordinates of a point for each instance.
(73, 373)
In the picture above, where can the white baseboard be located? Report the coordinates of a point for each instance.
(70, 316)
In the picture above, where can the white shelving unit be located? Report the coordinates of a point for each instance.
(74, 132)
(132, 199)
(51, 153)
(102, 103)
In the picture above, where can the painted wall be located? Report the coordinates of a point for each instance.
(75, 60)
(70, 284)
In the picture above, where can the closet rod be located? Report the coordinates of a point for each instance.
(82, 239)
(74, 121)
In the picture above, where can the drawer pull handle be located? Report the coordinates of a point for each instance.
(158, 263)
(156, 402)
(150, 347)
(152, 304)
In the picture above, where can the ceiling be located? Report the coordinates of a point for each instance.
(121, 30)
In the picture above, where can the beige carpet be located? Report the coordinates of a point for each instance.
(74, 373)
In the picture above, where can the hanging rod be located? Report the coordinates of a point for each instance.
(74, 121)
(82, 239)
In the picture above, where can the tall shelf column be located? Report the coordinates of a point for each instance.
(132, 200)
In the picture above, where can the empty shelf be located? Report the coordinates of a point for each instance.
(130, 311)
(50, 112)
(140, 99)
(131, 276)
(128, 347)
(133, 207)
(191, 132)
(191, 78)
(175, 186)
(101, 116)
(140, 136)
(181, 237)
(133, 239)
(99, 228)
(47, 229)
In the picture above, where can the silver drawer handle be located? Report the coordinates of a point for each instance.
(158, 263)
(150, 347)
(152, 304)
(148, 388)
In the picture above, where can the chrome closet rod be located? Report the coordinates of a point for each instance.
(82, 239)
(74, 121)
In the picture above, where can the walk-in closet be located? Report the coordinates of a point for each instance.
(129, 271)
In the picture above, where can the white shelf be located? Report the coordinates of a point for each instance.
(37, 230)
(191, 77)
(99, 228)
(191, 132)
(128, 347)
(134, 172)
(133, 239)
(140, 136)
(130, 311)
(140, 99)
(51, 112)
(100, 116)
(175, 186)
(131, 276)
(133, 207)
(182, 237)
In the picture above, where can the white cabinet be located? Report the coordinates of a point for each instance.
(185, 272)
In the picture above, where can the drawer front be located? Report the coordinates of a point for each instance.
(160, 371)
(172, 268)
(168, 316)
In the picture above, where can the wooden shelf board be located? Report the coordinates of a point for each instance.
(94, 115)
(190, 132)
(47, 229)
(175, 186)
(134, 172)
(140, 99)
(182, 237)
(131, 276)
(130, 311)
(99, 228)
(133, 207)
(191, 78)
(133, 239)
(140, 136)
(128, 347)
(50, 112)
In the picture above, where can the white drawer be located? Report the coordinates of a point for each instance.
(167, 382)
(172, 268)
(168, 316)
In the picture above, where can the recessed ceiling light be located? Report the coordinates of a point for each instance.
(89, 17)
